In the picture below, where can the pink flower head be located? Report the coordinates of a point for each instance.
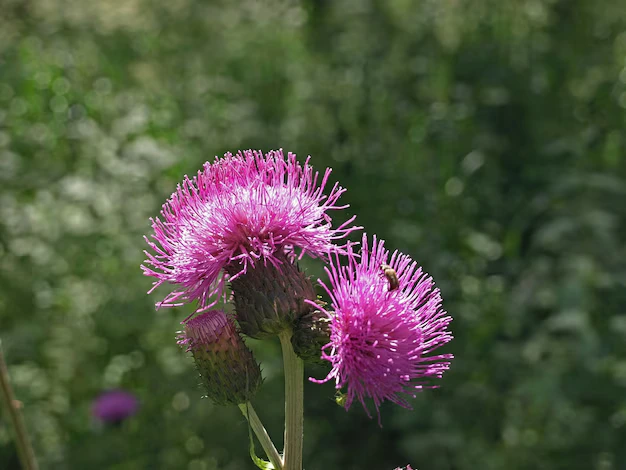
(241, 210)
(382, 335)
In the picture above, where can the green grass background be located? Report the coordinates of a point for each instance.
(485, 138)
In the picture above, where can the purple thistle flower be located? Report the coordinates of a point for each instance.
(114, 406)
(381, 336)
(241, 210)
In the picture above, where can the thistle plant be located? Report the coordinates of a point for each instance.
(246, 220)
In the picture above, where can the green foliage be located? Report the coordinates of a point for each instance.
(484, 138)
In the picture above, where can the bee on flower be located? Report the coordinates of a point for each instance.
(382, 346)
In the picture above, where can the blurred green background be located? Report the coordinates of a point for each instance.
(485, 138)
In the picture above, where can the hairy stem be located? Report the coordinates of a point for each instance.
(262, 435)
(22, 441)
(294, 404)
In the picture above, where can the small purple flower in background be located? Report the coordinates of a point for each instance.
(382, 336)
(408, 467)
(114, 406)
(241, 210)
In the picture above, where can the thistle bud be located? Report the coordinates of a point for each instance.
(310, 334)
(229, 373)
(269, 299)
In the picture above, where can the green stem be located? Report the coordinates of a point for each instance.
(294, 403)
(22, 442)
(262, 435)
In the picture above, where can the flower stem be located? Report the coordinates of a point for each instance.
(294, 403)
(22, 442)
(262, 435)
